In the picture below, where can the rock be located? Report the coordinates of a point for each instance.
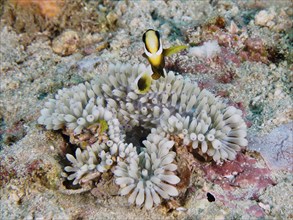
(244, 176)
(265, 18)
(87, 64)
(276, 148)
(274, 200)
(66, 43)
(255, 211)
(112, 17)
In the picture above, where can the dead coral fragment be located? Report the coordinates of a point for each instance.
(66, 43)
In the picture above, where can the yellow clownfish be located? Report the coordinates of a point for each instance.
(154, 52)
(143, 83)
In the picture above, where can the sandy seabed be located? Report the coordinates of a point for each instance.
(35, 63)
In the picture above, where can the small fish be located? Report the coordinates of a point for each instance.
(143, 82)
(154, 52)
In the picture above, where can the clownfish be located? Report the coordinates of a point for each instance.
(154, 52)
(143, 83)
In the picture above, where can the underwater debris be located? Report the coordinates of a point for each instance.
(172, 106)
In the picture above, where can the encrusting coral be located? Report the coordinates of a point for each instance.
(172, 106)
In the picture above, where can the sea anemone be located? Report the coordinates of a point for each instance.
(173, 105)
(149, 175)
(76, 109)
(96, 158)
(219, 131)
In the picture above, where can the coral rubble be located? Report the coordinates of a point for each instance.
(173, 106)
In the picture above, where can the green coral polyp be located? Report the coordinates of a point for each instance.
(172, 106)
